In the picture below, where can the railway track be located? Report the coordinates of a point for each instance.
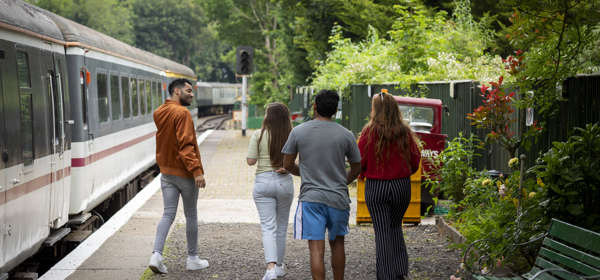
(212, 122)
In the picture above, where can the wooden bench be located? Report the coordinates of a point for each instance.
(567, 252)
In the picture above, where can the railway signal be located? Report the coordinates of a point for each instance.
(244, 56)
(244, 68)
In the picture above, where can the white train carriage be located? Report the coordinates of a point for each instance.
(75, 121)
(112, 104)
(34, 139)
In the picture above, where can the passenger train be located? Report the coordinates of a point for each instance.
(75, 123)
(217, 98)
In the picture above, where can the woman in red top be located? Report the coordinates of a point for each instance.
(389, 152)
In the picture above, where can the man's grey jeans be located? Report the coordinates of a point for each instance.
(172, 186)
(273, 194)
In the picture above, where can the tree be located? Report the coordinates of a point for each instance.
(111, 17)
(559, 39)
(168, 28)
(291, 37)
(423, 45)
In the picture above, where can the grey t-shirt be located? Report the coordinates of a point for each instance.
(323, 147)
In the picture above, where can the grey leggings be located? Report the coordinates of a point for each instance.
(273, 194)
(171, 187)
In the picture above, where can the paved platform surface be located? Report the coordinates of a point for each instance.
(225, 208)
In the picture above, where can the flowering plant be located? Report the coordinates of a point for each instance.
(496, 114)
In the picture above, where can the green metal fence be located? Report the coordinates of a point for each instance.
(582, 106)
(458, 99)
(356, 105)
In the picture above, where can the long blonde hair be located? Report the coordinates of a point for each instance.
(386, 121)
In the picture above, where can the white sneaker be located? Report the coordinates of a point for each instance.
(195, 263)
(156, 264)
(280, 270)
(270, 274)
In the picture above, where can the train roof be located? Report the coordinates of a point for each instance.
(75, 33)
(37, 21)
(25, 18)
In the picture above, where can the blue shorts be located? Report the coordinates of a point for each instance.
(313, 218)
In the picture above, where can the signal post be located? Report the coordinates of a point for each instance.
(244, 67)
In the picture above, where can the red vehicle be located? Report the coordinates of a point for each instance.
(425, 117)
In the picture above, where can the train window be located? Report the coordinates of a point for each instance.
(102, 88)
(153, 91)
(158, 94)
(26, 107)
(83, 77)
(142, 95)
(135, 102)
(148, 98)
(126, 99)
(23, 69)
(115, 97)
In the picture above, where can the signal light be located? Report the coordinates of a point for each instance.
(244, 57)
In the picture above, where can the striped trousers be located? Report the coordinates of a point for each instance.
(387, 201)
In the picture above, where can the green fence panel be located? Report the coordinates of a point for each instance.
(580, 107)
(461, 97)
(254, 122)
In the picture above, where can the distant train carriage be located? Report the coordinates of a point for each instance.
(216, 98)
(75, 123)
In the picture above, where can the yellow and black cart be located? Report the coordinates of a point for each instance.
(413, 213)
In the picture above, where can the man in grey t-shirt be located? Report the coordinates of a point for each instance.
(324, 202)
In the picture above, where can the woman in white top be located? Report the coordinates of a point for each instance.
(273, 186)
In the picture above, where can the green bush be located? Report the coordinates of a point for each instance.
(488, 216)
(457, 165)
(569, 175)
(563, 185)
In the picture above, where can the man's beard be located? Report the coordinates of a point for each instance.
(184, 102)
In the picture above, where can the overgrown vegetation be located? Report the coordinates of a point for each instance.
(453, 167)
(422, 45)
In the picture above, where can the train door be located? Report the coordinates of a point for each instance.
(3, 161)
(53, 89)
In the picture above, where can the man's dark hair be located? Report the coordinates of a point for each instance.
(178, 83)
(327, 102)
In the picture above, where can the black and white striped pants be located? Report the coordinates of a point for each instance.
(387, 201)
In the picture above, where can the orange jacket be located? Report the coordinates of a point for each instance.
(177, 150)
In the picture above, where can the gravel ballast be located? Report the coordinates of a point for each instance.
(234, 251)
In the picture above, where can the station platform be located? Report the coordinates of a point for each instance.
(229, 231)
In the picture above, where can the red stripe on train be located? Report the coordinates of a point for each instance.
(45, 180)
(35, 184)
(81, 162)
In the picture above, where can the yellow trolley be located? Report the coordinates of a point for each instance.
(413, 213)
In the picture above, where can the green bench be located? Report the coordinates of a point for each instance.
(567, 252)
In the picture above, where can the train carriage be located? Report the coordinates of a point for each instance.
(216, 98)
(34, 138)
(75, 122)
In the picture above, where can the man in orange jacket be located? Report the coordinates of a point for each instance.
(178, 157)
